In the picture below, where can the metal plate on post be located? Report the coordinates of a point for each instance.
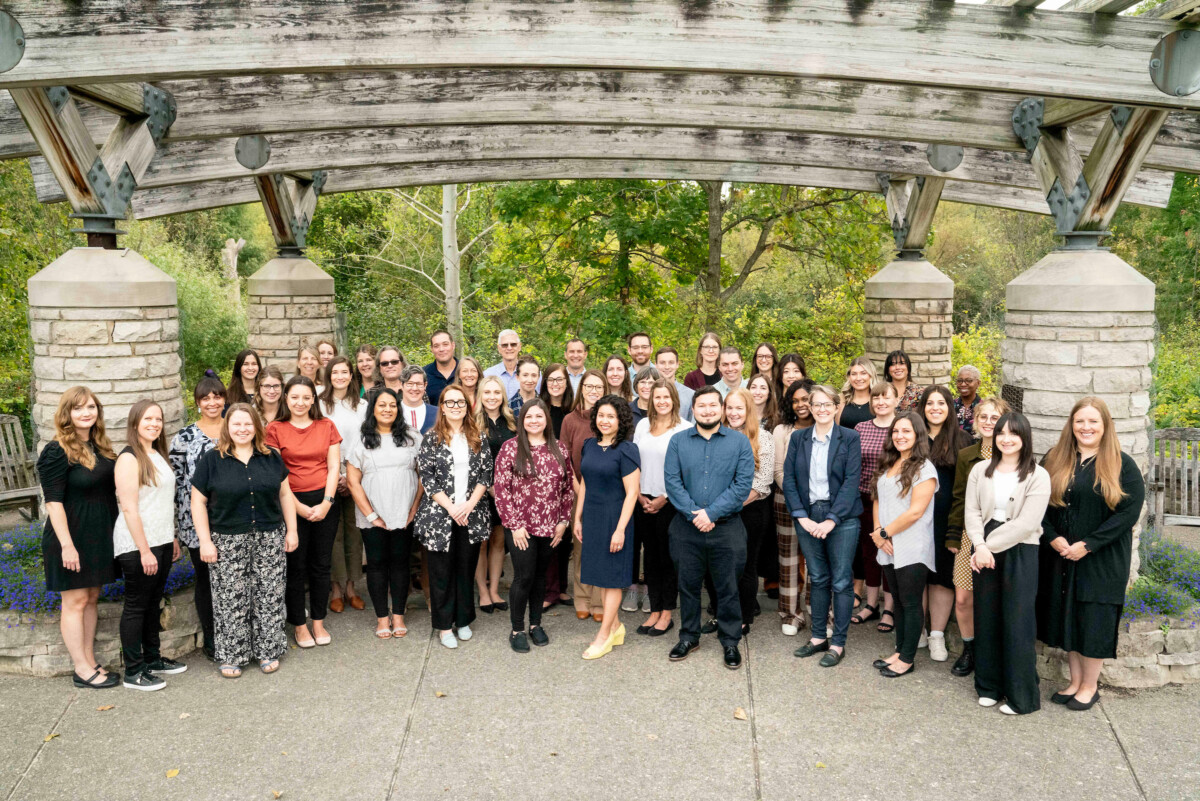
(945, 158)
(1175, 63)
(253, 152)
(12, 42)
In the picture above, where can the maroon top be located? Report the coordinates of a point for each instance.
(697, 379)
(870, 438)
(576, 429)
(535, 503)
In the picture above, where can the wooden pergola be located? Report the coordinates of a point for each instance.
(155, 107)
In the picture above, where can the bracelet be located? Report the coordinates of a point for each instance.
(371, 518)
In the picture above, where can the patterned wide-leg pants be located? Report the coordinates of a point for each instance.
(248, 581)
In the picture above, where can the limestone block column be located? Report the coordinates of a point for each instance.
(909, 304)
(109, 320)
(291, 303)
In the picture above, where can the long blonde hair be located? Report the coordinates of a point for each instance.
(1060, 461)
(750, 427)
(673, 419)
(868, 365)
(147, 473)
(64, 430)
(481, 415)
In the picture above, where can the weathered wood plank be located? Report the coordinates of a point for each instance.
(214, 159)
(149, 203)
(1056, 111)
(1112, 163)
(1014, 3)
(1038, 53)
(918, 214)
(1175, 9)
(66, 143)
(118, 98)
(1097, 6)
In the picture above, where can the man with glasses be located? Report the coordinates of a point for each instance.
(729, 365)
(391, 364)
(709, 471)
(509, 344)
(416, 412)
(576, 360)
(639, 348)
(444, 367)
(666, 359)
(967, 380)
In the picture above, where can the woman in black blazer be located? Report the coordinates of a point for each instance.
(825, 504)
(1096, 495)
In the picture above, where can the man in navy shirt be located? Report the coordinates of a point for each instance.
(709, 471)
(444, 367)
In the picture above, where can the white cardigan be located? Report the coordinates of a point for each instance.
(1025, 509)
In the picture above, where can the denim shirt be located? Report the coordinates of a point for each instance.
(714, 474)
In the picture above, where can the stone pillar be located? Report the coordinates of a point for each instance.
(908, 307)
(106, 319)
(291, 303)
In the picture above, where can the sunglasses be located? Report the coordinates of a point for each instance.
(390, 363)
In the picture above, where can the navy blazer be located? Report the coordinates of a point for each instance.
(844, 469)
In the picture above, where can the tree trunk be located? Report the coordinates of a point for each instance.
(710, 281)
(450, 262)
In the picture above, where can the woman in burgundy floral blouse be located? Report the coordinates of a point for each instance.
(534, 496)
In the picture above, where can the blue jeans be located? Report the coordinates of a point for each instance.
(830, 573)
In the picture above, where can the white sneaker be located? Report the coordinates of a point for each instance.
(988, 702)
(924, 641)
(449, 640)
(630, 603)
(937, 648)
(790, 630)
(1008, 710)
(465, 633)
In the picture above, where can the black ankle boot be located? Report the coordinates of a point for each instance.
(965, 664)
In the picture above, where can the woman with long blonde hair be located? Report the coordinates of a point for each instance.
(856, 393)
(1096, 495)
(76, 473)
(494, 419)
(742, 415)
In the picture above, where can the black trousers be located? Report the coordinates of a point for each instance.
(452, 581)
(768, 550)
(1006, 629)
(662, 583)
(311, 562)
(140, 616)
(758, 518)
(202, 595)
(528, 587)
(908, 588)
(387, 553)
(721, 553)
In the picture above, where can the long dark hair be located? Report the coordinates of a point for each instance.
(523, 462)
(402, 433)
(568, 398)
(285, 411)
(1018, 425)
(786, 413)
(626, 390)
(916, 457)
(788, 358)
(951, 439)
(353, 390)
(236, 393)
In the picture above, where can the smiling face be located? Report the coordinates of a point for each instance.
(340, 376)
(707, 408)
(443, 348)
(967, 385)
(454, 405)
(614, 372)
(366, 367)
(510, 347)
(592, 389)
(667, 363)
(270, 389)
(535, 422)
(151, 424)
(822, 407)
(790, 374)
(307, 364)
(468, 375)
(860, 379)
(735, 411)
(763, 360)
(607, 421)
(639, 350)
(413, 390)
(898, 371)
(299, 401)
(250, 369)
(386, 410)
(556, 385)
(527, 377)
(326, 352)
(576, 355)
(644, 388)
(241, 428)
(662, 401)
(884, 406)
(390, 364)
(760, 390)
(85, 415)
(709, 349)
(492, 396)
(936, 409)
(211, 406)
(903, 437)
(986, 417)
(1088, 426)
(1007, 442)
(800, 405)
(730, 366)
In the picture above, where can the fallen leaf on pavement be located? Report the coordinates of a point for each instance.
(49, 737)
(651, 736)
(106, 707)
(172, 773)
(283, 752)
(739, 713)
(277, 793)
(821, 765)
(183, 715)
(439, 694)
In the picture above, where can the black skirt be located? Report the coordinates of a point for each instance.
(1086, 627)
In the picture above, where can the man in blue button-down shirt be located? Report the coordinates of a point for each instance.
(708, 472)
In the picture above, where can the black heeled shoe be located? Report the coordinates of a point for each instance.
(501, 606)
(1075, 705)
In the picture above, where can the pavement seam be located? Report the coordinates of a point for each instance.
(412, 706)
(753, 725)
(38, 752)
(1124, 754)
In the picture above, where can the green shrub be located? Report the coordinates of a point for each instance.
(1176, 388)
(1168, 562)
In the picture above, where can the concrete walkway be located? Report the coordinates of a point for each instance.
(362, 719)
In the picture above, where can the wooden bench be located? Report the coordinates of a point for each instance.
(18, 478)
(1175, 476)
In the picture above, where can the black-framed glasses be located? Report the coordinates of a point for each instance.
(454, 404)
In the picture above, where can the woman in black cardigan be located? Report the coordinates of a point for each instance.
(1096, 498)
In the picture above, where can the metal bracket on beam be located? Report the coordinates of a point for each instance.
(12, 42)
(1120, 116)
(1065, 208)
(160, 111)
(1027, 121)
(58, 95)
(1175, 63)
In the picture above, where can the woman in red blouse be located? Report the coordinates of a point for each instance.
(311, 448)
(534, 496)
(871, 436)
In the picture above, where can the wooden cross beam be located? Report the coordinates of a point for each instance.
(911, 203)
(1084, 194)
(289, 202)
(98, 183)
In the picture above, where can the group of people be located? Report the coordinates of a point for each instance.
(613, 489)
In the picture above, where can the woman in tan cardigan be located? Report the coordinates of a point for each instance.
(1006, 501)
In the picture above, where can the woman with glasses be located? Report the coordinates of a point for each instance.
(643, 384)
(707, 354)
(766, 361)
(270, 393)
(557, 395)
(576, 430)
(796, 416)
(495, 421)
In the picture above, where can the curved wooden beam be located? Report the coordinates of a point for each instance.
(916, 42)
(214, 194)
(214, 159)
(224, 107)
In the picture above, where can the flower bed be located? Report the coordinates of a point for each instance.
(29, 638)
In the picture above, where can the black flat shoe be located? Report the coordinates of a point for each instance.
(733, 657)
(1076, 705)
(519, 642)
(888, 673)
(502, 606)
(757, 609)
(773, 593)
(1060, 698)
(657, 632)
(808, 649)
(861, 618)
(681, 650)
(880, 664)
(538, 636)
(110, 680)
(487, 609)
(643, 629)
(832, 658)
(709, 626)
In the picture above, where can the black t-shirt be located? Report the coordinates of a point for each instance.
(241, 497)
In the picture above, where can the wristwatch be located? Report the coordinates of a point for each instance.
(883, 535)
(328, 499)
(371, 518)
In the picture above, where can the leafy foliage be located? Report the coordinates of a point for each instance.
(1176, 388)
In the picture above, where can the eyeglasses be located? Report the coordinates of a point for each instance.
(592, 388)
(822, 405)
(454, 404)
(708, 347)
(280, 386)
(511, 345)
(390, 363)
(556, 380)
(414, 385)
(987, 418)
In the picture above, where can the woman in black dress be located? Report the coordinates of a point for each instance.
(76, 471)
(1096, 495)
